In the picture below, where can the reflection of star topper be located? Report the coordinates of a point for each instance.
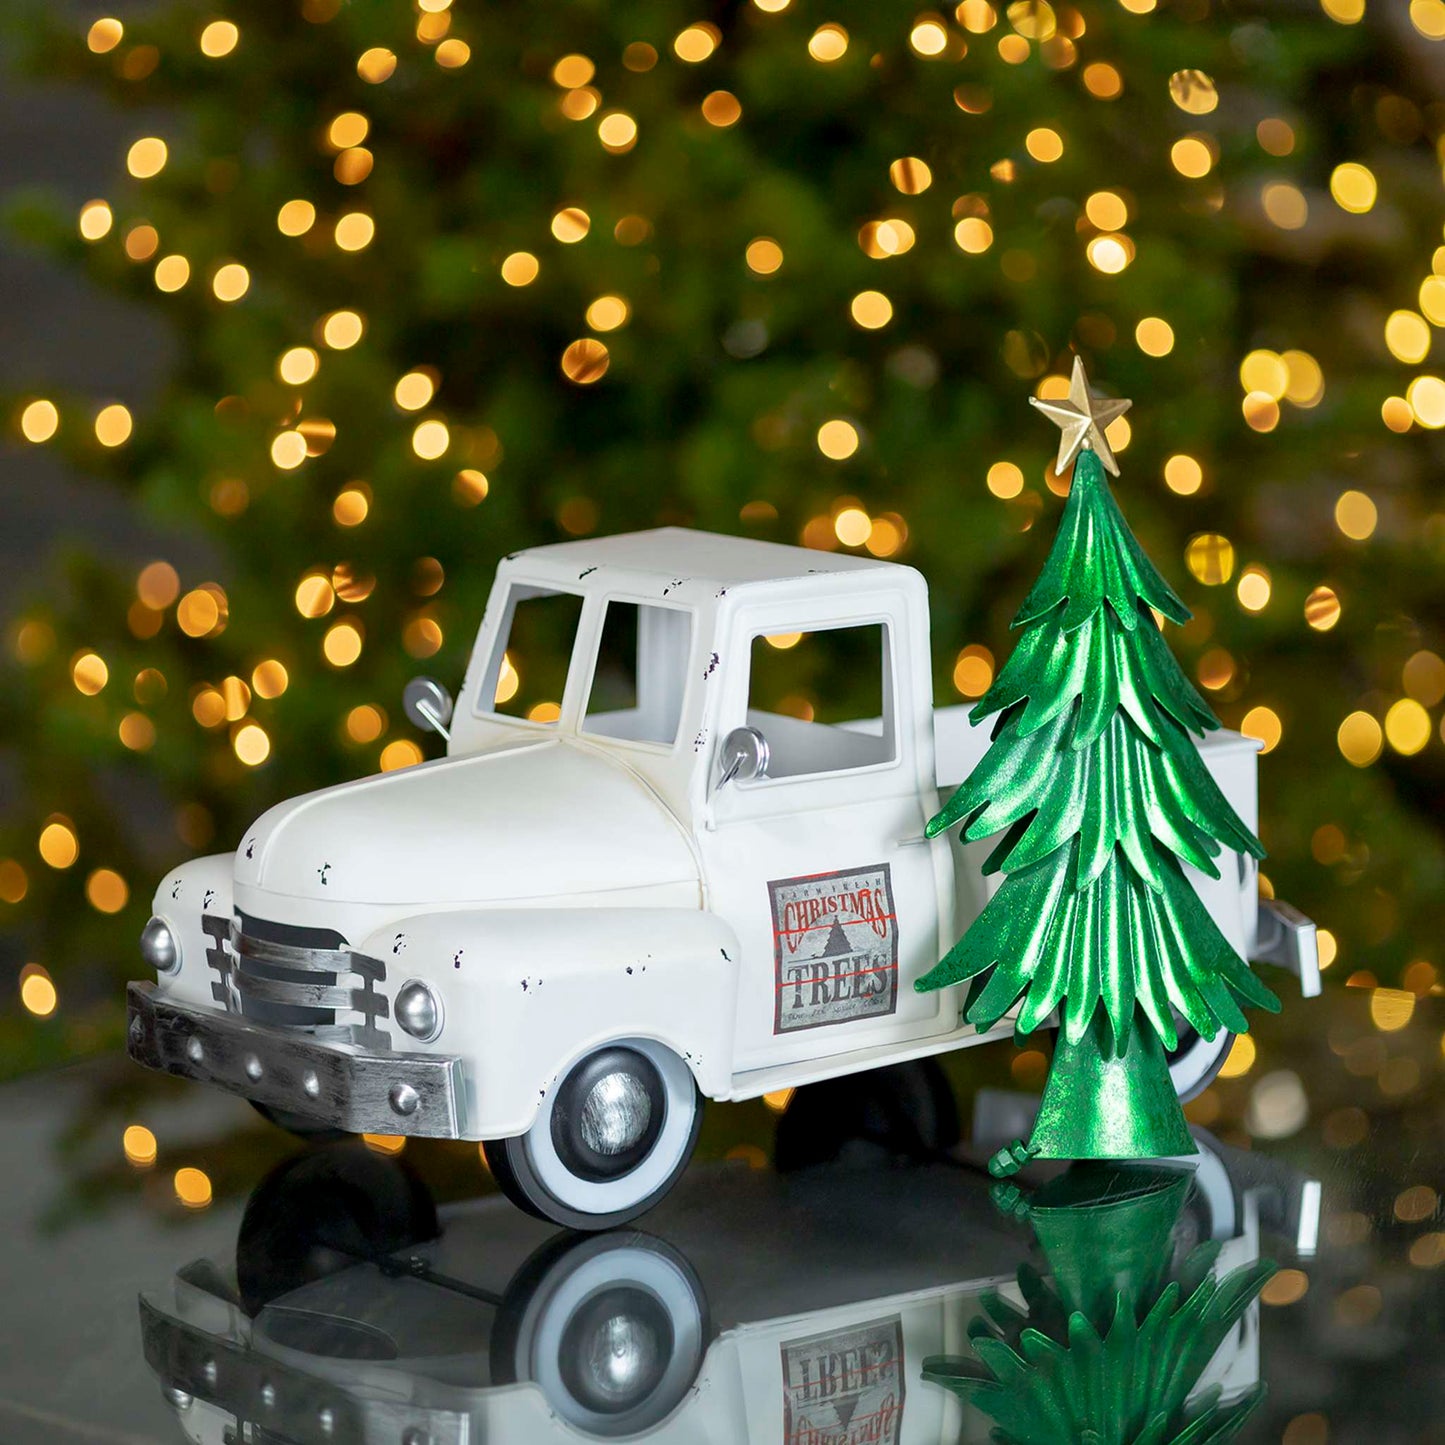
(1082, 418)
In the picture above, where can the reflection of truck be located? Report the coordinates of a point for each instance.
(763, 1309)
(677, 869)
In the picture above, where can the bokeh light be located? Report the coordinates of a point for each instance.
(104, 35)
(571, 224)
(973, 671)
(1322, 608)
(113, 425)
(837, 439)
(147, 157)
(1360, 739)
(192, 1187)
(1210, 558)
(219, 38)
(696, 43)
(354, 231)
(39, 421)
(376, 65)
(520, 268)
(1353, 187)
(1356, 515)
(828, 43)
(139, 1146)
(585, 361)
(95, 220)
(230, 282)
(1183, 475)
(38, 994)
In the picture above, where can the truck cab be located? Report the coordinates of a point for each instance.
(690, 862)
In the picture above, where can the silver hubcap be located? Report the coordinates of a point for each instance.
(624, 1355)
(615, 1114)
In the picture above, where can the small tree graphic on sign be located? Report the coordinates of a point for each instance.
(1094, 779)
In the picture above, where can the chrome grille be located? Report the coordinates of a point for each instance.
(277, 974)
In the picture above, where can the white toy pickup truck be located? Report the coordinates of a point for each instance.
(675, 872)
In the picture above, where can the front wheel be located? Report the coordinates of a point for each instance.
(1196, 1061)
(608, 1141)
(613, 1328)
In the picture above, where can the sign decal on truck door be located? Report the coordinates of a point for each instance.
(845, 1387)
(835, 948)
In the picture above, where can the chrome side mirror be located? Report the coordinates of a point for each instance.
(428, 705)
(744, 755)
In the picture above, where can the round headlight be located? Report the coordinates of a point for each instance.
(418, 1010)
(160, 947)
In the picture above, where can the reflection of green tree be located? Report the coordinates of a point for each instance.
(1112, 1345)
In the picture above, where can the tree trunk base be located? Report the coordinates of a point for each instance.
(1108, 1103)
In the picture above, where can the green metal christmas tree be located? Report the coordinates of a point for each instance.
(1094, 774)
(1114, 1344)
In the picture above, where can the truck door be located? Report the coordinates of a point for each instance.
(819, 864)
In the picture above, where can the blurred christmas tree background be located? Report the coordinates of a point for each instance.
(448, 280)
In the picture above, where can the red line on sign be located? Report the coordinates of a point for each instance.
(807, 1431)
(857, 973)
(833, 918)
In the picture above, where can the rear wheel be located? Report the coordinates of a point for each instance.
(608, 1141)
(902, 1111)
(1196, 1061)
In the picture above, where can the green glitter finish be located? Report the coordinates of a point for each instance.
(1094, 779)
(1113, 1344)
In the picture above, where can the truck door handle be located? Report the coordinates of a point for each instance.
(912, 842)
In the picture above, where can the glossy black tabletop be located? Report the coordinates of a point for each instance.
(205, 1277)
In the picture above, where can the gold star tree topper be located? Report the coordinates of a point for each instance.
(1082, 419)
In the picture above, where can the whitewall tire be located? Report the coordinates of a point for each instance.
(609, 1140)
(613, 1329)
(1195, 1063)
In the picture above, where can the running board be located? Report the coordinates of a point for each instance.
(755, 1082)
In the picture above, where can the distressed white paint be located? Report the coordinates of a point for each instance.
(612, 877)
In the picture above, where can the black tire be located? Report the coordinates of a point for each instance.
(303, 1126)
(621, 1292)
(323, 1212)
(1195, 1063)
(554, 1172)
(901, 1111)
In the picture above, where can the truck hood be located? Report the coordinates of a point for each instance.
(540, 820)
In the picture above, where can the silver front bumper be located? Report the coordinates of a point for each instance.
(360, 1092)
(193, 1364)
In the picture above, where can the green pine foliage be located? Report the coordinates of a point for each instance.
(1117, 1331)
(1053, 1375)
(1095, 777)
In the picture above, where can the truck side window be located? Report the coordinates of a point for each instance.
(823, 700)
(528, 669)
(641, 671)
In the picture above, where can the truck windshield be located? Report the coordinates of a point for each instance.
(528, 667)
(641, 671)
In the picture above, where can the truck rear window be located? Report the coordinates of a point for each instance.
(528, 669)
